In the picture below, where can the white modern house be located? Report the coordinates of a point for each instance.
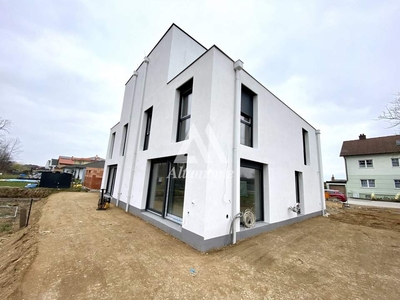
(200, 140)
(372, 166)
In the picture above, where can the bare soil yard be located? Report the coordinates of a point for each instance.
(76, 252)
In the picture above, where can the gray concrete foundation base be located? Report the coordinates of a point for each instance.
(198, 242)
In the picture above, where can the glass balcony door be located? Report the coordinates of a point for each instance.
(167, 189)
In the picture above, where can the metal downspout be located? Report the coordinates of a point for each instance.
(140, 121)
(238, 66)
(321, 174)
(135, 75)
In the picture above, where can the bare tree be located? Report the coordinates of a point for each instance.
(4, 126)
(392, 113)
(9, 147)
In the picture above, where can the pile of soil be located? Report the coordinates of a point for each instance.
(10, 192)
(376, 217)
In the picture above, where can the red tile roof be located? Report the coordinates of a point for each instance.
(379, 145)
(65, 161)
(70, 160)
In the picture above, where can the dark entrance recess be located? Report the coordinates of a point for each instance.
(55, 180)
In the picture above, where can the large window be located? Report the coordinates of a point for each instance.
(124, 138)
(167, 188)
(251, 188)
(149, 115)
(365, 163)
(112, 174)
(395, 162)
(368, 183)
(185, 108)
(246, 117)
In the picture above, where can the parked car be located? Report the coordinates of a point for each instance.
(335, 194)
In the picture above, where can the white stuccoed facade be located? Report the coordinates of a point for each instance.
(209, 201)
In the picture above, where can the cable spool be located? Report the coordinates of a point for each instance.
(248, 218)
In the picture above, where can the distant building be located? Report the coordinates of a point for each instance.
(336, 184)
(372, 166)
(72, 165)
(51, 164)
(93, 175)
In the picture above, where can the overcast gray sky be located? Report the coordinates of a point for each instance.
(64, 64)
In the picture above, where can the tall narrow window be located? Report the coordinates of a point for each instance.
(305, 147)
(246, 117)
(251, 188)
(112, 141)
(299, 187)
(124, 137)
(149, 114)
(185, 108)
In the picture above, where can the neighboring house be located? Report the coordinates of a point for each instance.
(51, 164)
(200, 140)
(94, 175)
(372, 166)
(75, 165)
(77, 171)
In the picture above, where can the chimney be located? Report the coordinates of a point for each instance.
(362, 136)
(333, 178)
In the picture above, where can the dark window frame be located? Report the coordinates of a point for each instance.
(111, 176)
(170, 161)
(149, 114)
(248, 124)
(260, 167)
(305, 146)
(125, 137)
(184, 91)
(112, 144)
(247, 111)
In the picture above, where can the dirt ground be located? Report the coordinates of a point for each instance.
(76, 252)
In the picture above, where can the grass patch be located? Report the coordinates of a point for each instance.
(9, 176)
(13, 184)
(6, 227)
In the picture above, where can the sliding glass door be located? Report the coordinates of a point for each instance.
(158, 184)
(167, 188)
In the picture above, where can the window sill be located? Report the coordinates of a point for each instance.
(257, 225)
